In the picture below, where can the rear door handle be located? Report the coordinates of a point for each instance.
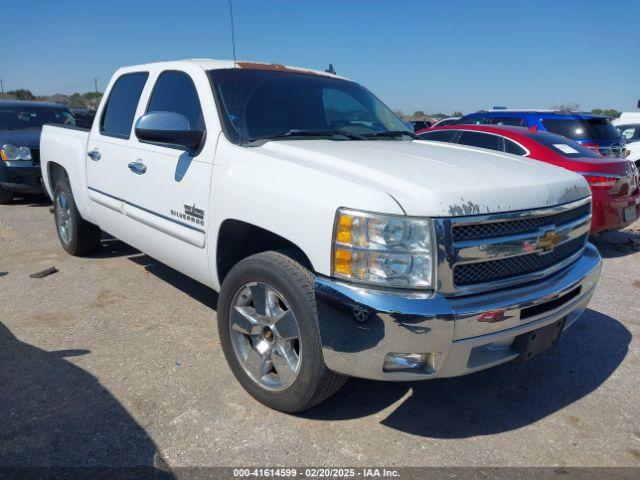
(137, 167)
(94, 155)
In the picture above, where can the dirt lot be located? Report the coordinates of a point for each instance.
(115, 360)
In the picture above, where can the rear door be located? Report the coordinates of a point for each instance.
(109, 150)
(168, 195)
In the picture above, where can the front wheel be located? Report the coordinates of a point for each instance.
(267, 321)
(77, 236)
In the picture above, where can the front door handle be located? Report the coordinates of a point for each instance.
(137, 167)
(94, 155)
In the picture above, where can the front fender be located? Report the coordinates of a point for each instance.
(295, 201)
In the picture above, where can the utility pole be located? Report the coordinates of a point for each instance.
(1, 88)
(95, 84)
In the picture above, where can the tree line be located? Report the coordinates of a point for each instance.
(76, 100)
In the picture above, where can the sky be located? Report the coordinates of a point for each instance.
(435, 56)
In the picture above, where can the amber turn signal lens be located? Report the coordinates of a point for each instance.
(342, 262)
(343, 235)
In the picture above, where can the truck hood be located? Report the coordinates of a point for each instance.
(29, 137)
(438, 179)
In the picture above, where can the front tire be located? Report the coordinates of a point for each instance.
(77, 236)
(268, 327)
(6, 197)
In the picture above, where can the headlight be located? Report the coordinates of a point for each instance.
(386, 250)
(9, 153)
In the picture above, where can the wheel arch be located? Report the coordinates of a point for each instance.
(238, 240)
(55, 172)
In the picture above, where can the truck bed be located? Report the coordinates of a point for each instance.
(66, 145)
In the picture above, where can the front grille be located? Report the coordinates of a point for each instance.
(515, 227)
(494, 270)
(616, 152)
(35, 156)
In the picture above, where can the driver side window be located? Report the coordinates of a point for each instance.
(342, 109)
(175, 92)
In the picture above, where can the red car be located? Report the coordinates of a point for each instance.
(615, 184)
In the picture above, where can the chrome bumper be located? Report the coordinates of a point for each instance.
(359, 326)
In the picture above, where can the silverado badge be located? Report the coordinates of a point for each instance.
(190, 214)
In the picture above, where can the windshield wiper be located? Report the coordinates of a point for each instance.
(311, 133)
(391, 133)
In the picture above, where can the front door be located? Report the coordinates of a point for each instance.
(168, 187)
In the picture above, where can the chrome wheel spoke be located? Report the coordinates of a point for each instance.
(244, 322)
(258, 365)
(286, 326)
(285, 362)
(271, 303)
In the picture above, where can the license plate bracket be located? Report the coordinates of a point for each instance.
(630, 214)
(532, 344)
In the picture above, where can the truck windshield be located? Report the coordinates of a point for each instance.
(19, 118)
(267, 104)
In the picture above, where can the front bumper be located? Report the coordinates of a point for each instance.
(359, 326)
(22, 177)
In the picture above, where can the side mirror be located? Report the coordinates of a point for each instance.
(168, 128)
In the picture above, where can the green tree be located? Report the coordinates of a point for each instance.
(22, 94)
(569, 107)
(457, 114)
(607, 112)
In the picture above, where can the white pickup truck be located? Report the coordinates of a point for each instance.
(339, 245)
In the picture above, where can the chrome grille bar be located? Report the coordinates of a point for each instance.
(563, 242)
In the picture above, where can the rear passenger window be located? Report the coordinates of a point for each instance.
(438, 135)
(482, 140)
(175, 92)
(513, 121)
(513, 147)
(121, 106)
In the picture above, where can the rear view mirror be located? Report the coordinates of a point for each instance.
(169, 128)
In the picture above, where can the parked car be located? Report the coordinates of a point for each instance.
(446, 121)
(614, 182)
(20, 126)
(84, 116)
(592, 131)
(631, 134)
(628, 117)
(420, 125)
(339, 245)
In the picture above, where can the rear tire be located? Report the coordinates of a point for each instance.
(6, 197)
(294, 377)
(77, 236)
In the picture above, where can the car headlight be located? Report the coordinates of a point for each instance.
(9, 153)
(386, 250)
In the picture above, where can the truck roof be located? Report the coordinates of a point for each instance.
(211, 64)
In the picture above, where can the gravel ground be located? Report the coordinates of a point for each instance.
(115, 360)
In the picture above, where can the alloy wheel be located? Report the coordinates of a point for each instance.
(265, 336)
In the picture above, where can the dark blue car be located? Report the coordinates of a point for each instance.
(20, 127)
(592, 131)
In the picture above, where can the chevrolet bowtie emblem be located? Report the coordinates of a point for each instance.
(549, 240)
